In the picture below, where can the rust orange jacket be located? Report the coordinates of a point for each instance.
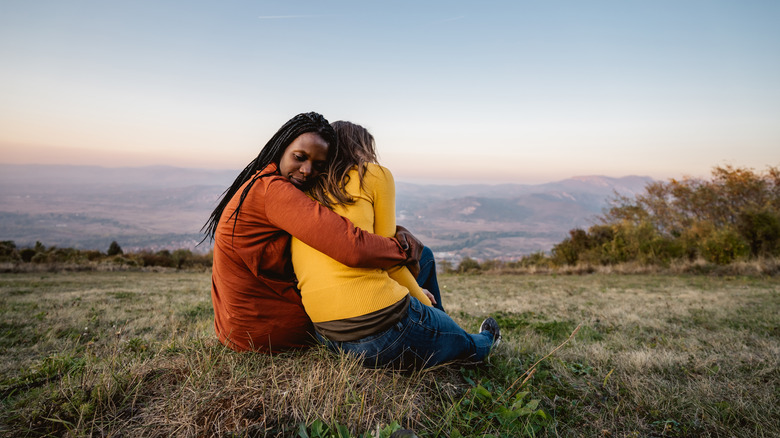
(256, 304)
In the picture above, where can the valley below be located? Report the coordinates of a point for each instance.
(154, 208)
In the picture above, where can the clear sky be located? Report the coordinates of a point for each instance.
(454, 91)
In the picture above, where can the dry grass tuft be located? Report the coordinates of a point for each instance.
(206, 390)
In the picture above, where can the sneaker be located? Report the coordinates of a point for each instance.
(490, 325)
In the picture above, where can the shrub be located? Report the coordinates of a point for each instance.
(469, 265)
(114, 249)
(8, 252)
(761, 230)
(538, 259)
(724, 246)
(492, 265)
(182, 258)
(92, 255)
(572, 248)
(40, 257)
(27, 254)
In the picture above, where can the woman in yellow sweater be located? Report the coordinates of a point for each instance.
(383, 316)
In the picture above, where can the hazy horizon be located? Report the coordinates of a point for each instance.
(409, 180)
(454, 92)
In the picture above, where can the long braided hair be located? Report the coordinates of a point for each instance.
(356, 148)
(271, 153)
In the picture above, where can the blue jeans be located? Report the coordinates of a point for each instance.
(427, 277)
(423, 338)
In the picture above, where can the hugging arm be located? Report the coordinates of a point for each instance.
(304, 218)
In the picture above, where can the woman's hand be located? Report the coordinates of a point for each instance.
(411, 246)
(430, 296)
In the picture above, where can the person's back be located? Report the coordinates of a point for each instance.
(332, 291)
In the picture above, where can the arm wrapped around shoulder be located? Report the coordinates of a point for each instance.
(304, 218)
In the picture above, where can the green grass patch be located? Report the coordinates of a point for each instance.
(199, 311)
(122, 295)
(14, 334)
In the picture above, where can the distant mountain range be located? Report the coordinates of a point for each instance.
(161, 207)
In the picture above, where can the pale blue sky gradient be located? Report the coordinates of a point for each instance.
(514, 91)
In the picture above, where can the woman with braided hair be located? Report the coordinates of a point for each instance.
(380, 315)
(253, 291)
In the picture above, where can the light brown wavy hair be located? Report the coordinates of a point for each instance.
(356, 148)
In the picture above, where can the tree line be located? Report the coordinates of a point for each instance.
(114, 255)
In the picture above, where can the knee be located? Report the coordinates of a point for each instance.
(426, 256)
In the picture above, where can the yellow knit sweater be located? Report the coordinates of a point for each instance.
(332, 291)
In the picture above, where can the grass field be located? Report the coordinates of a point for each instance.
(133, 354)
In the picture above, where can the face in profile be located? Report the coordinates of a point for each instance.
(304, 159)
